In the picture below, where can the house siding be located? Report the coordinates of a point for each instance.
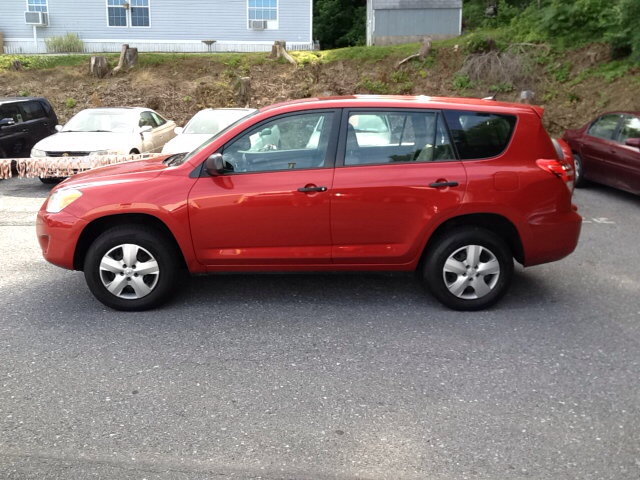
(175, 26)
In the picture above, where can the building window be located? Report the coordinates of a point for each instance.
(37, 6)
(139, 13)
(124, 13)
(263, 9)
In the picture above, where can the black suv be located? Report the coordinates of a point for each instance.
(24, 121)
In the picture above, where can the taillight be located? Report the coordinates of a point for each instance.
(560, 169)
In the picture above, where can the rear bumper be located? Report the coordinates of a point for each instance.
(58, 235)
(552, 237)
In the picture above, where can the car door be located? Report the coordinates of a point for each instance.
(599, 147)
(36, 121)
(385, 196)
(150, 141)
(164, 131)
(14, 139)
(272, 205)
(626, 166)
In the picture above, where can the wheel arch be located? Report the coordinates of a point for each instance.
(100, 225)
(493, 222)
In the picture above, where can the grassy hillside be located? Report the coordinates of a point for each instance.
(573, 82)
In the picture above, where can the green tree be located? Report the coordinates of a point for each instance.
(339, 23)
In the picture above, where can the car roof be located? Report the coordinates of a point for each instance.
(131, 109)
(637, 114)
(19, 99)
(405, 101)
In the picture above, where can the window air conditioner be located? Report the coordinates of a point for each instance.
(36, 18)
(258, 24)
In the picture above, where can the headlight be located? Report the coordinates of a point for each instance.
(61, 199)
(35, 153)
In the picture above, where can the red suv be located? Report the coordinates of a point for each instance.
(453, 188)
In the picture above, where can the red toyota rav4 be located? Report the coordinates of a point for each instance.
(455, 188)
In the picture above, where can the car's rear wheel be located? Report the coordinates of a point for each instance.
(131, 268)
(580, 180)
(469, 269)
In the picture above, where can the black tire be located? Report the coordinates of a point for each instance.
(470, 287)
(150, 248)
(580, 180)
(134, 152)
(50, 180)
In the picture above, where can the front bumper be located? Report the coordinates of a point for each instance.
(58, 235)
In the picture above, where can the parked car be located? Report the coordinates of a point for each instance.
(202, 126)
(101, 131)
(23, 122)
(461, 189)
(607, 150)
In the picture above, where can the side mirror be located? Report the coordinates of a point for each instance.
(265, 133)
(178, 130)
(7, 122)
(146, 128)
(214, 165)
(58, 128)
(633, 142)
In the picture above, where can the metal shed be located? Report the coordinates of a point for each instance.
(391, 22)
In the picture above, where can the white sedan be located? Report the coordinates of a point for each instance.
(108, 131)
(203, 126)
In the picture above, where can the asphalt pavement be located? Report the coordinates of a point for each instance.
(352, 376)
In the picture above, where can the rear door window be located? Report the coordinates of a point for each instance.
(480, 135)
(379, 137)
(630, 128)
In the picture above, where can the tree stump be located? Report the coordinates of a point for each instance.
(99, 67)
(279, 50)
(244, 94)
(130, 58)
(16, 65)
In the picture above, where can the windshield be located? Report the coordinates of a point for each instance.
(211, 122)
(101, 121)
(180, 161)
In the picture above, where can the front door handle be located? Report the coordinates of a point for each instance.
(312, 189)
(443, 184)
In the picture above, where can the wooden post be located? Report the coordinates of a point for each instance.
(1, 43)
(123, 52)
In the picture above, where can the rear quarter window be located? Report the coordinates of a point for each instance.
(480, 135)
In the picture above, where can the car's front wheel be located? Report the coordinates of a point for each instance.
(580, 181)
(468, 269)
(131, 268)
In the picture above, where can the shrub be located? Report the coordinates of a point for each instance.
(68, 43)
(70, 102)
(462, 82)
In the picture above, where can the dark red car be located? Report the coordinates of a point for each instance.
(453, 188)
(607, 150)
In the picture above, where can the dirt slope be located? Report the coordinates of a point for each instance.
(180, 87)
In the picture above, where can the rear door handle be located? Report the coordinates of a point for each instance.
(312, 189)
(443, 184)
